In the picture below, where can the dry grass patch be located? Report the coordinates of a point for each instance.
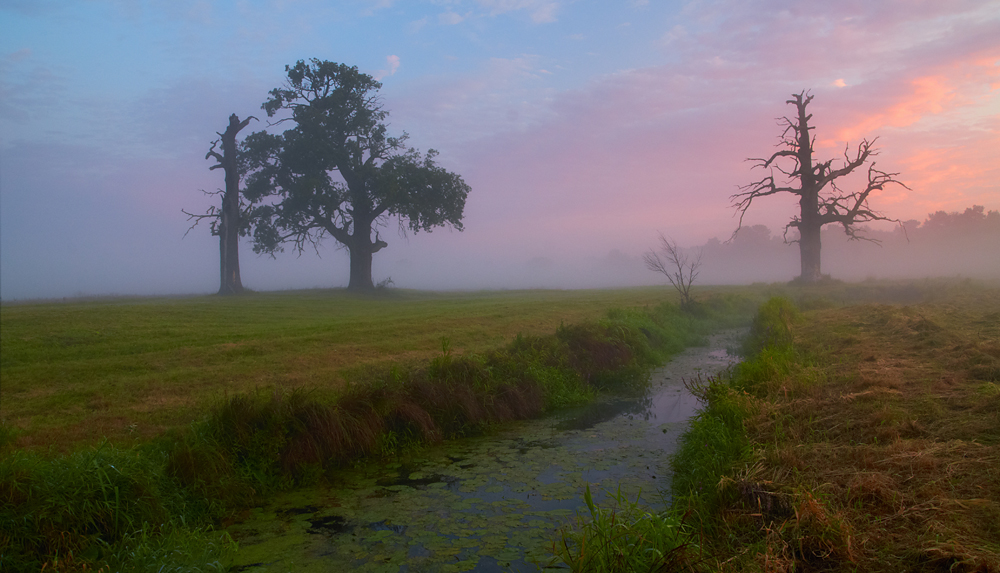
(892, 461)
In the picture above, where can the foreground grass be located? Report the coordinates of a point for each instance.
(122, 506)
(852, 438)
(866, 438)
(897, 441)
(128, 369)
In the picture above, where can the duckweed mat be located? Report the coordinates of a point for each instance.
(483, 504)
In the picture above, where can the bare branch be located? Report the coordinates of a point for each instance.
(679, 268)
(213, 213)
(216, 155)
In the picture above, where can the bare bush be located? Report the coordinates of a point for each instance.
(680, 268)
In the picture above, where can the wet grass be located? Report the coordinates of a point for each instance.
(627, 537)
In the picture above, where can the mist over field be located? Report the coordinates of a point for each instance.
(756, 254)
(583, 131)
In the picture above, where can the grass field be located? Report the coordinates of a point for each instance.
(128, 369)
(868, 439)
(133, 427)
(865, 436)
(901, 440)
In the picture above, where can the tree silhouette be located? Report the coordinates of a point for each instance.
(337, 173)
(821, 201)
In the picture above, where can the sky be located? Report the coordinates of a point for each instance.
(583, 128)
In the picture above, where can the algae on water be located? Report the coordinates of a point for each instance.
(485, 504)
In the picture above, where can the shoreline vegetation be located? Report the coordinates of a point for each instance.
(851, 438)
(127, 505)
(743, 499)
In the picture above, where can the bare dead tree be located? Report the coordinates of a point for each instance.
(227, 221)
(680, 268)
(821, 201)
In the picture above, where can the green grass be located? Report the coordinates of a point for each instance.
(626, 537)
(79, 371)
(123, 503)
(101, 505)
(209, 402)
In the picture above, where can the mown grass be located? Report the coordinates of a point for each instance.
(79, 371)
(853, 438)
(152, 493)
(118, 506)
(128, 369)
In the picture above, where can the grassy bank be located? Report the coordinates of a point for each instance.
(76, 372)
(853, 438)
(125, 504)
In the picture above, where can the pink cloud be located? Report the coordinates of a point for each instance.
(393, 65)
(962, 85)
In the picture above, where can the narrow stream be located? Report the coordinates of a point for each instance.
(485, 504)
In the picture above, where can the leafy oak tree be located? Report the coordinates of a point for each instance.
(821, 200)
(337, 173)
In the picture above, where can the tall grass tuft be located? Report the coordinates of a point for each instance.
(772, 326)
(628, 538)
(80, 508)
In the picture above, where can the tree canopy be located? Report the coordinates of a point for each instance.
(337, 173)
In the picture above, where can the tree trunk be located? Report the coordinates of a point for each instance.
(809, 252)
(809, 217)
(361, 269)
(361, 248)
(809, 227)
(229, 242)
(229, 217)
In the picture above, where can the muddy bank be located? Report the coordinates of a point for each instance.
(482, 504)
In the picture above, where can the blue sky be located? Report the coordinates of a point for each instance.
(584, 128)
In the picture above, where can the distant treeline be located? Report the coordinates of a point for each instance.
(945, 244)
